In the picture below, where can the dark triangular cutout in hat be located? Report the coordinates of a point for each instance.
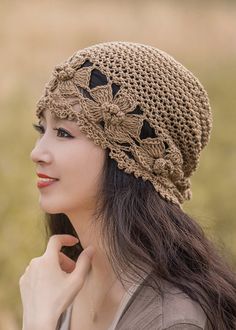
(147, 131)
(86, 64)
(137, 111)
(97, 78)
(115, 89)
(84, 92)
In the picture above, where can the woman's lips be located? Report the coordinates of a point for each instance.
(44, 180)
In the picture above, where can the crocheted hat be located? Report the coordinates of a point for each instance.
(145, 107)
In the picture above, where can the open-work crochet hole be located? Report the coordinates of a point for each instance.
(97, 78)
(147, 131)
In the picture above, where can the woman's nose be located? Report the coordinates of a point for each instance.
(41, 153)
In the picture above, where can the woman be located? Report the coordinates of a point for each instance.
(121, 129)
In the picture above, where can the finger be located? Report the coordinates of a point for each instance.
(67, 264)
(82, 267)
(56, 242)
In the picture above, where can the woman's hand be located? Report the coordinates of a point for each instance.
(51, 282)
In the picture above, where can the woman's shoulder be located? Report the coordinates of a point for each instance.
(179, 310)
(174, 310)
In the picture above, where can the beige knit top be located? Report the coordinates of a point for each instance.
(142, 308)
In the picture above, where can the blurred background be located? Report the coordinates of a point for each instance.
(37, 35)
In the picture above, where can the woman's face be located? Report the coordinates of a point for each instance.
(65, 153)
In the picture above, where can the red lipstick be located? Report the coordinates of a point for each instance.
(45, 180)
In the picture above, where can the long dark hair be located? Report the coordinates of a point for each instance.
(142, 230)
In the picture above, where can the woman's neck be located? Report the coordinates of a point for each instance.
(101, 272)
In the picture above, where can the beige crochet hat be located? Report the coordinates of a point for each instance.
(136, 100)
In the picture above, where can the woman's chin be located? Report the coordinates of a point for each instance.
(48, 207)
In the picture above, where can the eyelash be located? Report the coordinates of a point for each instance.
(40, 129)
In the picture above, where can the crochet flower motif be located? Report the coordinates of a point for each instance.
(115, 114)
(155, 155)
(64, 72)
(69, 77)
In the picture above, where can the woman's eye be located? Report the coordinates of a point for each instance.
(39, 128)
(61, 132)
